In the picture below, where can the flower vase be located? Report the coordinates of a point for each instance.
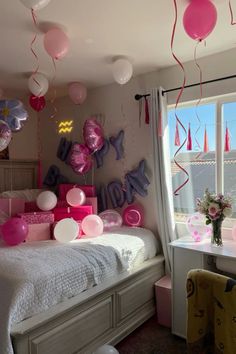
(216, 238)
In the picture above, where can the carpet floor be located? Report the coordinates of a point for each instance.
(151, 338)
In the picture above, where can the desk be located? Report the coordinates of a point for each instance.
(185, 255)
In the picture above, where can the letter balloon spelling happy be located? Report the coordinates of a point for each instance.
(117, 142)
(99, 155)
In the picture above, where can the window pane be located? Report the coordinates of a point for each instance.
(229, 119)
(199, 165)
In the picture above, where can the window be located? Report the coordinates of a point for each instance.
(214, 169)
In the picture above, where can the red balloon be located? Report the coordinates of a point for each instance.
(93, 134)
(199, 19)
(133, 215)
(80, 159)
(37, 103)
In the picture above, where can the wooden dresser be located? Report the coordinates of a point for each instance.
(18, 174)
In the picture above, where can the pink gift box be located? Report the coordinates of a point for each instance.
(89, 190)
(163, 301)
(89, 201)
(38, 232)
(10, 207)
(70, 212)
(38, 217)
(31, 207)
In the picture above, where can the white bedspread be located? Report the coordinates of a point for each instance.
(36, 276)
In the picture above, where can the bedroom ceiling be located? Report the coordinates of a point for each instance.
(98, 32)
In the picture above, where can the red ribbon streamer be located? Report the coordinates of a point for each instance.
(231, 14)
(177, 139)
(146, 111)
(189, 142)
(198, 102)
(227, 140)
(54, 91)
(32, 48)
(177, 102)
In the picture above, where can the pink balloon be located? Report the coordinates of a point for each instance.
(133, 215)
(111, 219)
(92, 225)
(199, 19)
(14, 231)
(80, 159)
(75, 197)
(77, 92)
(56, 43)
(93, 134)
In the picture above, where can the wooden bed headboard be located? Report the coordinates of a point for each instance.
(18, 174)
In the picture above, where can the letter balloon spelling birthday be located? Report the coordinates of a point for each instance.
(200, 19)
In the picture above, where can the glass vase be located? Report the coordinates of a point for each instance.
(216, 238)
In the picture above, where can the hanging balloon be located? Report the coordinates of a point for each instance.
(199, 19)
(93, 134)
(13, 113)
(77, 92)
(56, 43)
(37, 103)
(80, 159)
(38, 84)
(5, 135)
(122, 71)
(35, 4)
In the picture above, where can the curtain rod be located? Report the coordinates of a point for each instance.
(138, 96)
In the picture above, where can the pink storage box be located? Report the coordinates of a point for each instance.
(70, 212)
(89, 190)
(38, 217)
(163, 301)
(10, 207)
(38, 232)
(89, 201)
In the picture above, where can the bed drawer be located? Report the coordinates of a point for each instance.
(72, 335)
(135, 296)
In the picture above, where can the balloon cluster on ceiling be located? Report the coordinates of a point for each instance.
(56, 44)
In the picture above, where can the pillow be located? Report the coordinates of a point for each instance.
(28, 195)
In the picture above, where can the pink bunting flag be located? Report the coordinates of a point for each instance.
(206, 146)
(177, 139)
(146, 110)
(227, 140)
(189, 141)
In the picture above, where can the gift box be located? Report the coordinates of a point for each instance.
(70, 212)
(89, 201)
(38, 217)
(10, 207)
(89, 190)
(38, 232)
(31, 207)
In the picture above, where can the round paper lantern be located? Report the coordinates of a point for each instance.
(14, 231)
(92, 225)
(66, 230)
(77, 92)
(35, 4)
(122, 71)
(46, 200)
(38, 84)
(197, 228)
(75, 197)
(111, 219)
(133, 215)
(199, 19)
(106, 349)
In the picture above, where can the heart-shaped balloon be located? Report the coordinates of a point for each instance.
(93, 134)
(37, 103)
(80, 158)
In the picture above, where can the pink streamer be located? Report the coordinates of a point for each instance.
(227, 140)
(198, 102)
(206, 146)
(189, 142)
(177, 139)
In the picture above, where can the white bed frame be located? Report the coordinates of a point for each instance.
(104, 314)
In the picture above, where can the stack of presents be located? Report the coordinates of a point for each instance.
(42, 223)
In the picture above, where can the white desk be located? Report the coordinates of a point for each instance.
(185, 255)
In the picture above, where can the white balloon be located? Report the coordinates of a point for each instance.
(122, 71)
(106, 349)
(75, 197)
(66, 230)
(35, 4)
(46, 200)
(38, 84)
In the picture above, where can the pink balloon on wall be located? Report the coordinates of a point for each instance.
(77, 92)
(133, 215)
(56, 43)
(199, 19)
(14, 231)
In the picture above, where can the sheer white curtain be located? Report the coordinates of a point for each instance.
(162, 173)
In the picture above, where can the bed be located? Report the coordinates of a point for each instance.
(52, 302)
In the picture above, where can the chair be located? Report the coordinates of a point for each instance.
(211, 313)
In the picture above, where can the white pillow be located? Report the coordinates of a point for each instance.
(29, 195)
